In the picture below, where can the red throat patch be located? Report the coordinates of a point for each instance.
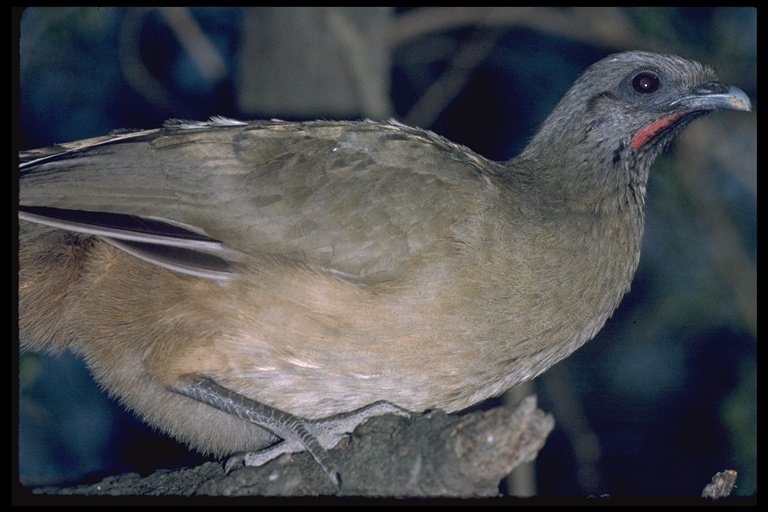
(644, 134)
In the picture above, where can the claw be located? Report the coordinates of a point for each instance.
(232, 463)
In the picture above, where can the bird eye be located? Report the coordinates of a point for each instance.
(646, 82)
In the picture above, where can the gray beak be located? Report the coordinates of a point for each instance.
(715, 96)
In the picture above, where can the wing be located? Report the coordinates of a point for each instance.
(357, 199)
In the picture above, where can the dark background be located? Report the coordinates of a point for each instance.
(661, 400)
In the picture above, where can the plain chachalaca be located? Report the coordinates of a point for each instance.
(237, 283)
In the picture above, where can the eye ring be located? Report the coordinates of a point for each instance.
(646, 82)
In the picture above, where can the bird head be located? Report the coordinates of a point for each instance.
(625, 109)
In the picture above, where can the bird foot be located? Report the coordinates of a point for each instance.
(328, 432)
(298, 434)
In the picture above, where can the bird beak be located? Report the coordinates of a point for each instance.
(714, 96)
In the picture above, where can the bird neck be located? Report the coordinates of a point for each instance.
(590, 198)
(586, 176)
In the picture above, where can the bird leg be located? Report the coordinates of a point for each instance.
(297, 434)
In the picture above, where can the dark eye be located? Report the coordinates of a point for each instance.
(646, 82)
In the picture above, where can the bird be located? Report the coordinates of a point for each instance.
(259, 288)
